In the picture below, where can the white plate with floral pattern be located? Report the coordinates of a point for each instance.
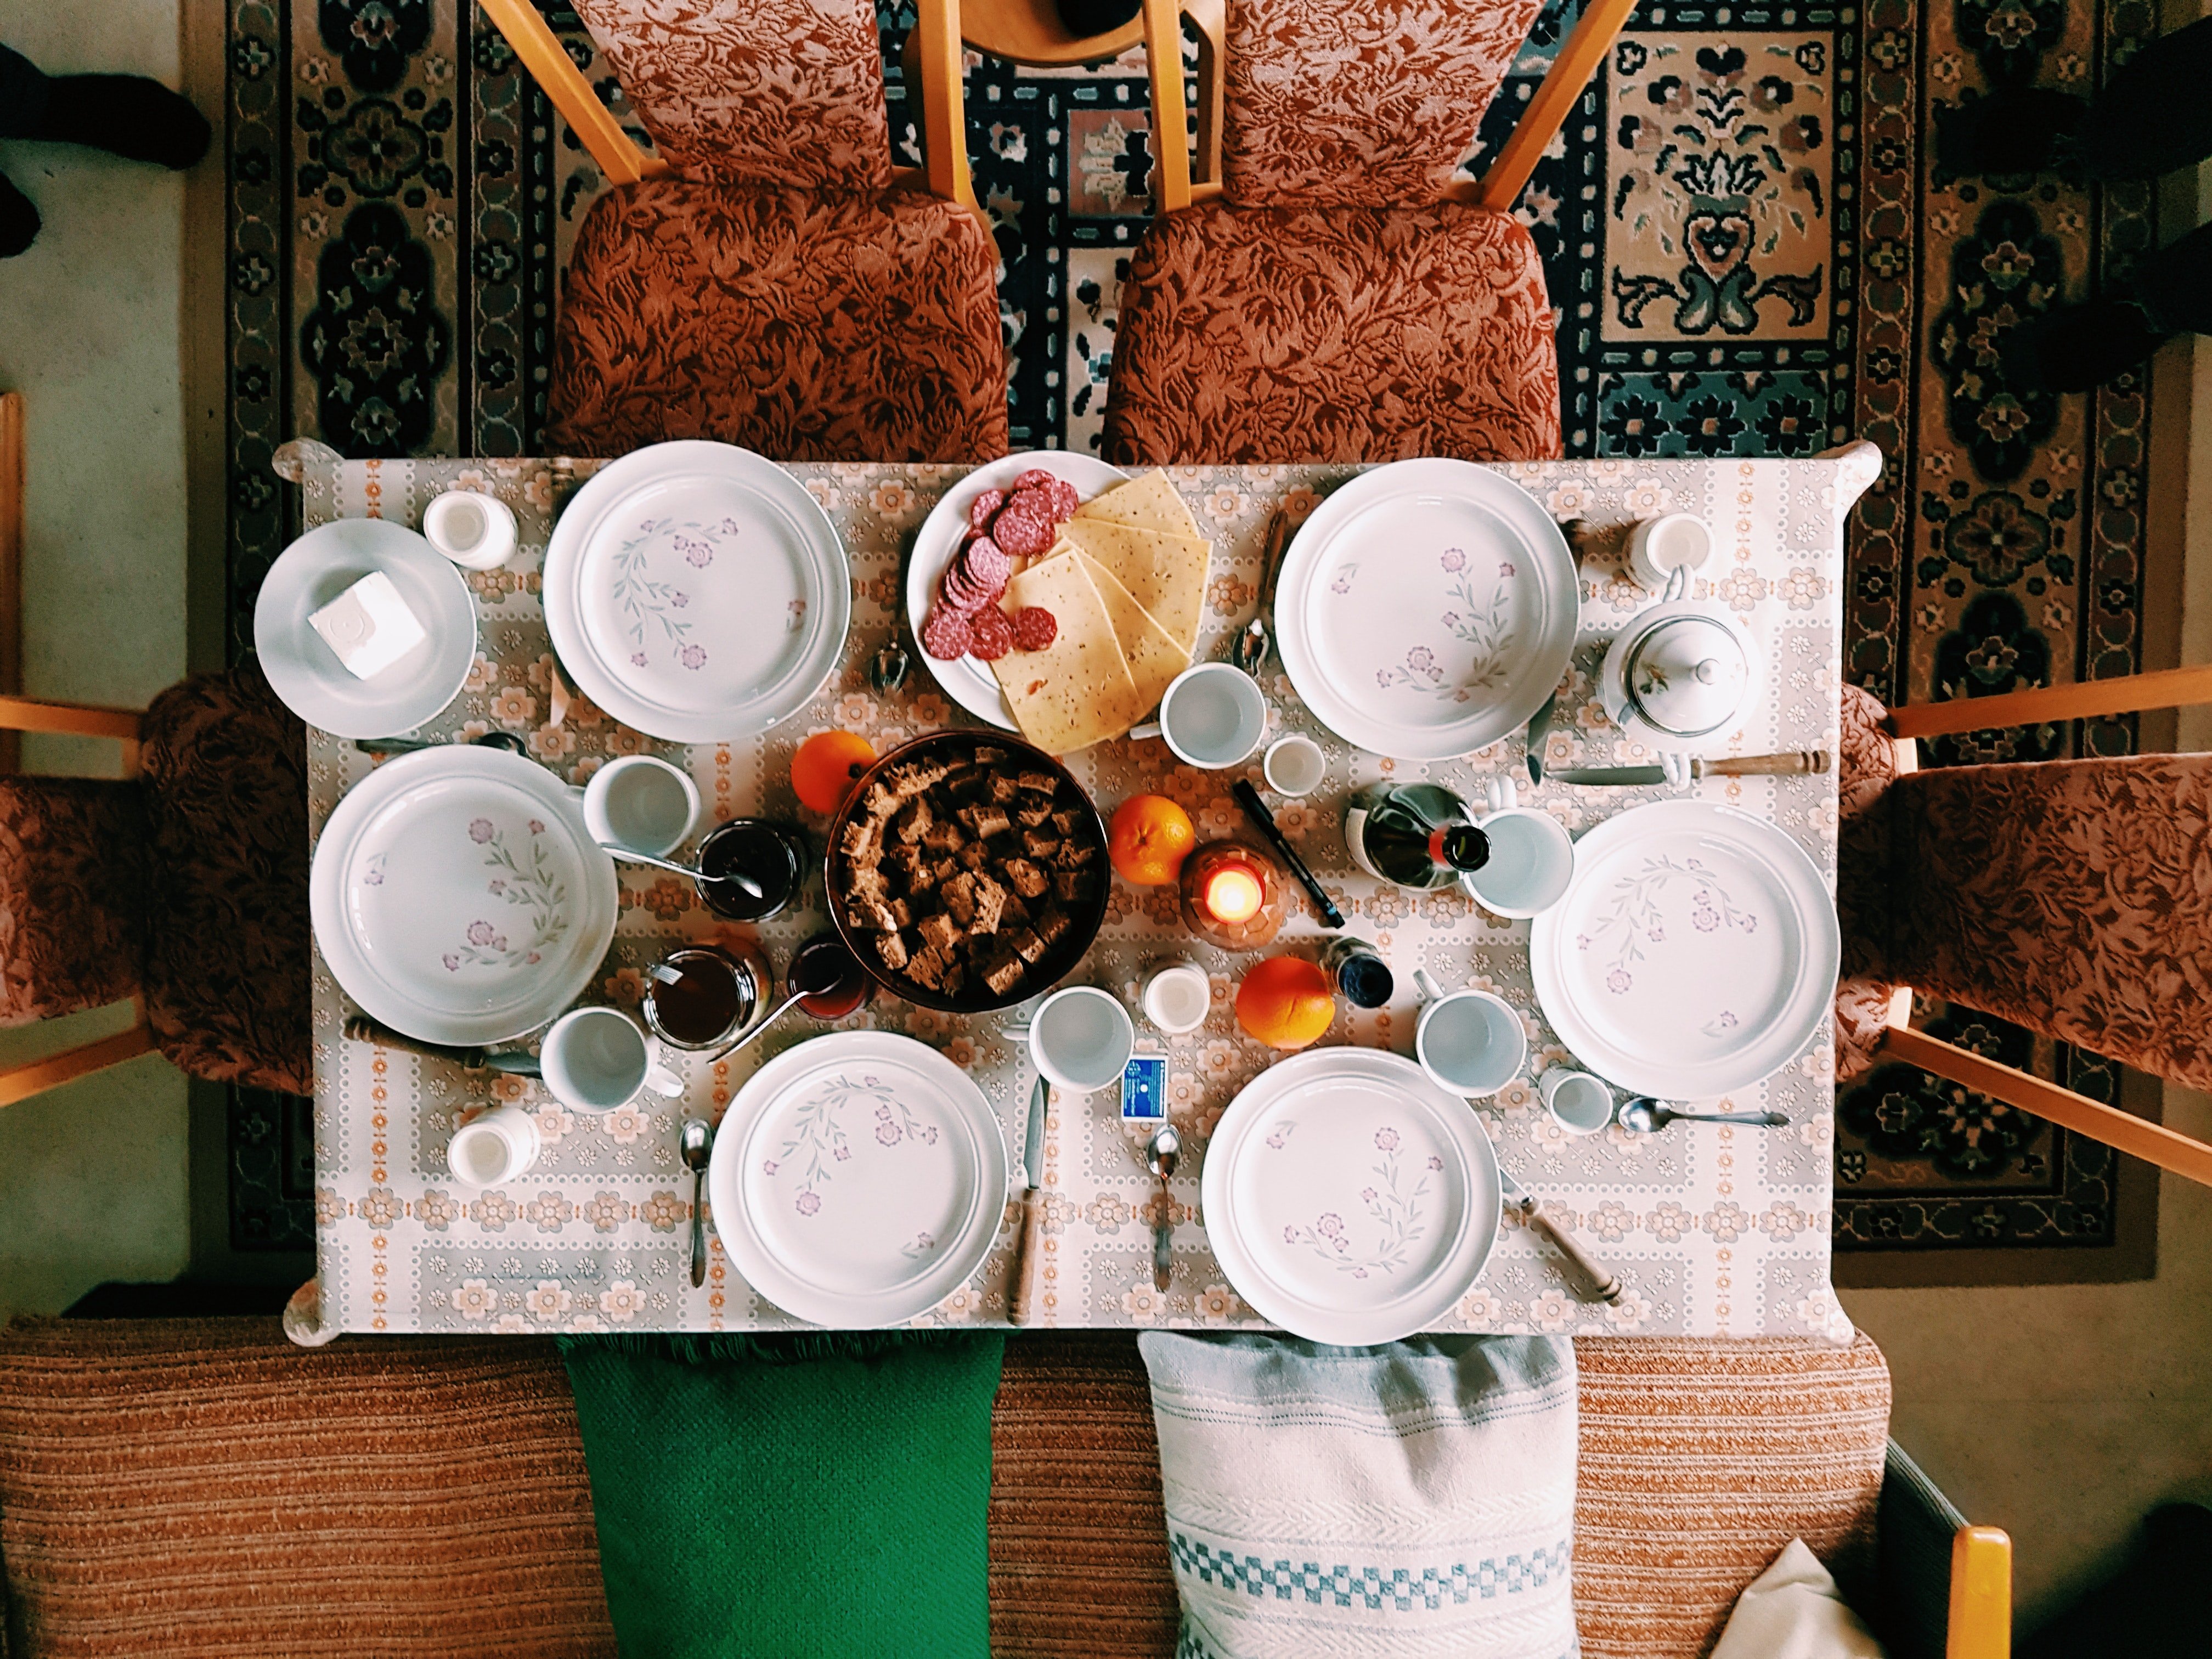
(858, 1179)
(968, 681)
(1427, 608)
(696, 593)
(1695, 952)
(458, 897)
(1348, 1197)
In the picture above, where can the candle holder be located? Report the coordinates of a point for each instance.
(1232, 894)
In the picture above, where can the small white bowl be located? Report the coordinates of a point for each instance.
(1294, 765)
(474, 530)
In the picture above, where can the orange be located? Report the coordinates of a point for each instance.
(827, 765)
(1286, 1002)
(1152, 836)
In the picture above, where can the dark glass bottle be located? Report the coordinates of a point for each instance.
(1417, 835)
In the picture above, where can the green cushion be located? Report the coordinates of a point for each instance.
(778, 1503)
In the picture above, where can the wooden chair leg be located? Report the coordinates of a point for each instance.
(532, 41)
(1210, 18)
(1582, 57)
(2154, 1143)
(2164, 688)
(21, 1082)
(1981, 1595)
(11, 567)
(1163, 66)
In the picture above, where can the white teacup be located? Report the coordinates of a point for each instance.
(1578, 1103)
(1081, 1037)
(1213, 715)
(495, 1146)
(642, 803)
(1176, 997)
(1532, 857)
(1659, 547)
(1469, 1042)
(474, 530)
(1295, 765)
(596, 1059)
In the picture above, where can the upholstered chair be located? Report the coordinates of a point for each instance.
(766, 278)
(183, 887)
(2072, 897)
(1339, 297)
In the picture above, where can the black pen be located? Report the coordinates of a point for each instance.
(1256, 810)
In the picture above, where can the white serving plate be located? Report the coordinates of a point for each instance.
(456, 896)
(1427, 608)
(305, 673)
(858, 1179)
(696, 593)
(968, 682)
(1695, 952)
(1348, 1197)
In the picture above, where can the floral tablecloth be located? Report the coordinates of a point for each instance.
(1715, 1230)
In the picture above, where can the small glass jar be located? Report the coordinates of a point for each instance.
(774, 855)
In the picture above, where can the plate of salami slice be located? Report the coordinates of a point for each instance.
(983, 530)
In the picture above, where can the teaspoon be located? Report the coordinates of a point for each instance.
(1161, 1155)
(1645, 1116)
(698, 1143)
(737, 878)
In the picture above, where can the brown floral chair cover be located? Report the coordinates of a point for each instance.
(1327, 306)
(225, 770)
(189, 885)
(2070, 897)
(1866, 767)
(774, 292)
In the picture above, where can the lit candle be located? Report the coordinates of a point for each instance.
(1232, 894)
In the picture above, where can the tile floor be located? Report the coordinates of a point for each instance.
(2061, 1413)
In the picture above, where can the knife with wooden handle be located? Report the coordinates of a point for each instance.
(1029, 1250)
(520, 1062)
(1603, 1284)
(1798, 763)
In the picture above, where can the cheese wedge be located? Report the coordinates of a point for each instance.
(1153, 659)
(1077, 692)
(1164, 573)
(1151, 502)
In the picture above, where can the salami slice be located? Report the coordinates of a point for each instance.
(946, 634)
(1036, 478)
(1035, 628)
(990, 635)
(1065, 500)
(980, 509)
(953, 594)
(984, 564)
(1024, 527)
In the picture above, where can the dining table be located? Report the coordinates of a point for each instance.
(1712, 1230)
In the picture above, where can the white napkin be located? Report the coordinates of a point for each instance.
(1793, 1611)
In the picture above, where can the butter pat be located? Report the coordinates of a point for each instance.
(368, 626)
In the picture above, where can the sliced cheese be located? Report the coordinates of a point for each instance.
(1151, 502)
(1164, 573)
(1077, 692)
(1153, 659)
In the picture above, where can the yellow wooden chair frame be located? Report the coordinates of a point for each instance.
(2170, 688)
(935, 48)
(1980, 1624)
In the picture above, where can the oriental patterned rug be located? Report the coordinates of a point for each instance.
(1749, 243)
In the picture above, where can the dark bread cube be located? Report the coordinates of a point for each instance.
(1026, 878)
(914, 820)
(1003, 788)
(1065, 822)
(988, 755)
(926, 967)
(1042, 783)
(872, 915)
(1074, 854)
(905, 866)
(912, 778)
(1033, 815)
(945, 836)
(1071, 886)
(1005, 976)
(938, 930)
(960, 897)
(859, 838)
(879, 803)
(985, 820)
(902, 912)
(973, 857)
(1027, 945)
(990, 904)
(1013, 912)
(954, 977)
(866, 881)
(891, 948)
(1052, 923)
(1039, 845)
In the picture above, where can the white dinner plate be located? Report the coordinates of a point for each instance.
(1695, 952)
(1427, 608)
(458, 897)
(1348, 1197)
(858, 1179)
(696, 593)
(306, 673)
(965, 680)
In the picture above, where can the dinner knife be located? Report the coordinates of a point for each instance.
(519, 1061)
(1021, 1302)
(1264, 821)
(1798, 763)
(1539, 724)
(1604, 1286)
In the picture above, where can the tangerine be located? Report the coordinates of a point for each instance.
(827, 765)
(1286, 1002)
(1150, 837)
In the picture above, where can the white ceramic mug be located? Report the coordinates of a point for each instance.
(596, 1059)
(1532, 857)
(1294, 765)
(1578, 1103)
(1176, 997)
(1081, 1037)
(474, 530)
(495, 1146)
(1469, 1042)
(642, 803)
(1213, 715)
(1659, 547)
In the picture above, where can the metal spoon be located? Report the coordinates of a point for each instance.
(1161, 1156)
(799, 992)
(1645, 1116)
(888, 668)
(737, 878)
(506, 740)
(698, 1142)
(1254, 645)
